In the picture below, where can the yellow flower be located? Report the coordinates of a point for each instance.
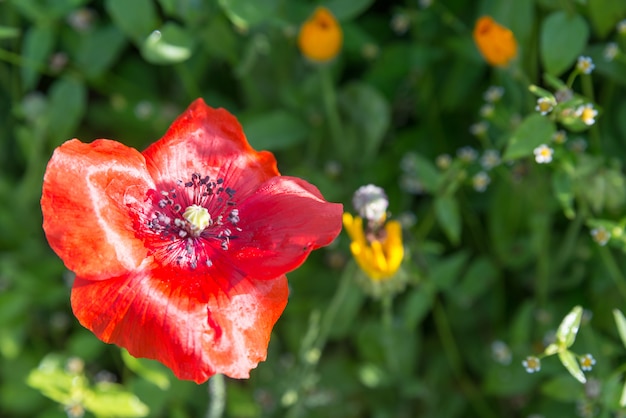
(495, 42)
(378, 256)
(320, 36)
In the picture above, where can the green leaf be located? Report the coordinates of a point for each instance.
(369, 113)
(563, 38)
(449, 217)
(418, 304)
(566, 334)
(347, 9)
(604, 15)
(532, 132)
(37, 47)
(478, 277)
(620, 321)
(568, 359)
(68, 100)
(427, 173)
(152, 371)
(136, 18)
(8, 32)
(98, 50)
(446, 272)
(622, 399)
(564, 191)
(278, 129)
(53, 381)
(245, 14)
(169, 45)
(112, 400)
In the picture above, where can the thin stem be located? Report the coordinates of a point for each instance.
(613, 269)
(217, 395)
(330, 108)
(451, 349)
(312, 352)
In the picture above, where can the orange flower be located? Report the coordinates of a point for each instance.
(320, 36)
(495, 42)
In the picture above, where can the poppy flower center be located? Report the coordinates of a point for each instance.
(192, 236)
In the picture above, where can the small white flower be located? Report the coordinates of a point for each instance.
(493, 94)
(587, 362)
(371, 202)
(544, 105)
(532, 364)
(467, 154)
(443, 161)
(587, 114)
(600, 235)
(490, 159)
(543, 154)
(479, 128)
(480, 181)
(559, 137)
(585, 65)
(501, 352)
(610, 51)
(486, 110)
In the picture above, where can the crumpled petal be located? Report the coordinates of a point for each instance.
(282, 222)
(195, 325)
(86, 192)
(209, 142)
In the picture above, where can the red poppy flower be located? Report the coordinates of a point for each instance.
(180, 252)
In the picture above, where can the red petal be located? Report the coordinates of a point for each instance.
(195, 325)
(86, 190)
(282, 222)
(209, 142)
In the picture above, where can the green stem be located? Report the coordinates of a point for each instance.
(387, 308)
(480, 405)
(311, 351)
(217, 395)
(330, 108)
(613, 269)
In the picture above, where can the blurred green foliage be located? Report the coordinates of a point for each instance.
(490, 272)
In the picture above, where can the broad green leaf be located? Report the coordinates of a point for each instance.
(449, 217)
(605, 14)
(418, 304)
(566, 333)
(37, 47)
(112, 400)
(347, 9)
(479, 275)
(447, 271)
(532, 132)
(564, 190)
(150, 370)
(369, 113)
(136, 18)
(278, 129)
(169, 45)
(620, 321)
(622, 399)
(568, 359)
(98, 50)
(245, 14)
(563, 38)
(68, 101)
